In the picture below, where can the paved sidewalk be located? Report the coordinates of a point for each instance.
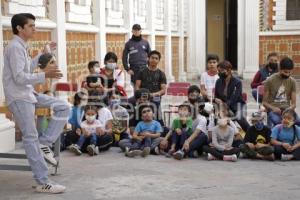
(112, 176)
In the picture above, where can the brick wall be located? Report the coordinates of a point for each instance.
(284, 45)
(80, 50)
(175, 57)
(185, 54)
(116, 44)
(160, 43)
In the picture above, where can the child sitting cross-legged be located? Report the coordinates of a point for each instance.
(222, 139)
(145, 134)
(181, 129)
(91, 127)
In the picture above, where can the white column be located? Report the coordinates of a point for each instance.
(57, 14)
(251, 52)
(182, 73)
(151, 10)
(197, 38)
(128, 16)
(7, 128)
(168, 48)
(100, 21)
(1, 56)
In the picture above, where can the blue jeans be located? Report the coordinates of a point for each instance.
(82, 139)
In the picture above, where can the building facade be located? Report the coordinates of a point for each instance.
(184, 31)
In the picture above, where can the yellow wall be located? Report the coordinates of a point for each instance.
(215, 27)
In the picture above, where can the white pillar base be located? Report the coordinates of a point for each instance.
(249, 74)
(7, 135)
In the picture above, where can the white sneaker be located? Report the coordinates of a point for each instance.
(232, 158)
(146, 151)
(178, 155)
(210, 157)
(48, 155)
(50, 188)
(75, 148)
(91, 149)
(286, 157)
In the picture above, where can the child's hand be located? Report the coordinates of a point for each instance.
(78, 131)
(178, 131)
(163, 144)
(186, 146)
(86, 133)
(146, 134)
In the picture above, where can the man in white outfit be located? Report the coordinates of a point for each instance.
(18, 82)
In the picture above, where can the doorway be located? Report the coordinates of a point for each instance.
(221, 27)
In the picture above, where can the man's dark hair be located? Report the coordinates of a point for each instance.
(20, 20)
(91, 64)
(44, 60)
(143, 106)
(154, 52)
(186, 105)
(225, 65)
(136, 27)
(272, 54)
(286, 63)
(110, 55)
(193, 88)
(141, 92)
(77, 98)
(290, 112)
(212, 57)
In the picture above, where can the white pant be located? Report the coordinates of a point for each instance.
(24, 114)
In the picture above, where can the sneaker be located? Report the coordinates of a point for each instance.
(91, 149)
(286, 157)
(133, 153)
(48, 155)
(156, 151)
(146, 152)
(232, 158)
(178, 155)
(50, 188)
(210, 157)
(76, 149)
(195, 154)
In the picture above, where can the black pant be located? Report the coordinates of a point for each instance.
(104, 142)
(278, 150)
(220, 154)
(251, 153)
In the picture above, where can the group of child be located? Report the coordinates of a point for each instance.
(200, 127)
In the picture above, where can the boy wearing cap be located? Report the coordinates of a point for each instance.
(135, 53)
(257, 140)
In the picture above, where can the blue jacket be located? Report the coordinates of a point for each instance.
(234, 93)
(135, 53)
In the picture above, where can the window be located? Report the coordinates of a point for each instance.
(293, 10)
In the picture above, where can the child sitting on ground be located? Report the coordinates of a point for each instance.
(181, 128)
(145, 134)
(90, 128)
(222, 139)
(120, 122)
(257, 140)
